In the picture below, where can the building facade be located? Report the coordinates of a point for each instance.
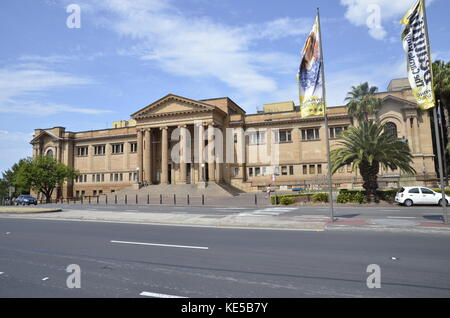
(177, 140)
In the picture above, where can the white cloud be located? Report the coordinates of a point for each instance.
(193, 46)
(365, 12)
(22, 86)
(13, 145)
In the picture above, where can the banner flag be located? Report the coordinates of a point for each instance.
(415, 44)
(310, 80)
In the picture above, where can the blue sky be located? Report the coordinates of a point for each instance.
(128, 54)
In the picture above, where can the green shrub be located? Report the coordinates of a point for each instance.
(447, 191)
(320, 197)
(351, 196)
(287, 200)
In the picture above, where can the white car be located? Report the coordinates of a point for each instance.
(419, 195)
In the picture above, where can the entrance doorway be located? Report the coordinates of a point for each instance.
(188, 173)
(169, 174)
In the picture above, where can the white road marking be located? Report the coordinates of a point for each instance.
(161, 245)
(45, 278)
(1, 273)
(401, 217)
(275, 211)
(7, 233)
(157, 295)
(131, 210)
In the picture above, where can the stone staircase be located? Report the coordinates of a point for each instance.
(182, 190)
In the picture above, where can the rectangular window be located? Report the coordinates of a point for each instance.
(305, 169)
(103, 177)
(276, 171)
(94, 193)
(291, 170)
(319, 169)
(257, 138)
(99, 178)
(257, 172)
(93, 178)
(250, 172)
(99, 150)
(85, 178)
(133, 147)
(283, 136)
(310, 134)
(284, 170)
(117, 148)
(336, 131)
(235, 172)
(312, 169)
(82, 151)
(264, 171)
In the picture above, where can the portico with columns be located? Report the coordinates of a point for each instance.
(176, 142)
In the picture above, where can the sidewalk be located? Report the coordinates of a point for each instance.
(283, 222)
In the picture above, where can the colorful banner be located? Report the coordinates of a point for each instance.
(419, 63)
(310, 76)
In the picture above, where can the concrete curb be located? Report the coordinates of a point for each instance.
(38, 211)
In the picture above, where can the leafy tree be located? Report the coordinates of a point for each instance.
(441, 85)
(369, 147)
(10, 177)
(44, 174)
(361, 103)
(4, 189)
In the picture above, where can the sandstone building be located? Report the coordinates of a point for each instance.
(141, 151)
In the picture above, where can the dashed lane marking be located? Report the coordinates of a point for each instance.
(160, 245)
(158, 295)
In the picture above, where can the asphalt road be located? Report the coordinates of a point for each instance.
(204, 262)
(417, 213)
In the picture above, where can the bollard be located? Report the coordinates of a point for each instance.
(188, 203)
(98, 199)
(160, 199)
(89, 199)
(136, 199)
(82, 200)
(203, 199)
(256, 200)
(126, 199)
(148, 198)
(175, 199)
(106, 199)
(115, 199)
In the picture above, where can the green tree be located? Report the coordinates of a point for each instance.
(369, 147)
(10, 177)
(441, 85)
(45, 174)
(361, 102)
(3, 189)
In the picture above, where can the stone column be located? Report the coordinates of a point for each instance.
(183, 157)
(140, 144)
(164, 156)
(201, 149)
(417, 134)
(211, 156)
(410, 135)
(148, 172)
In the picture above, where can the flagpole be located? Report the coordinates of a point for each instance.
(327, 132)
(436, 125)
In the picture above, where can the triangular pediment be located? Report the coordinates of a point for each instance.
(172, 104)
(398, 100)
(44, 134)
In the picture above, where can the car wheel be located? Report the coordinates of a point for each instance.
(408, 203)
(440, 203)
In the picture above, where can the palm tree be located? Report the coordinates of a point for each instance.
(441, 85)
(361, 102)
(369, 147)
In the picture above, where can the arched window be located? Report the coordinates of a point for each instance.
(50, 153)
(391, 128)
